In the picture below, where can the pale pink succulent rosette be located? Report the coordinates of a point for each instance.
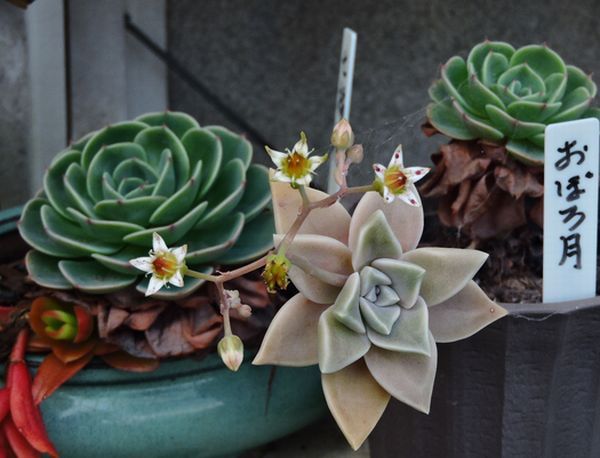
(365, 360)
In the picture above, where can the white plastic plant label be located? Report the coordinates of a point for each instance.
(570, 210)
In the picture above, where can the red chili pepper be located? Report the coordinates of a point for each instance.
(17, 442)
(4, 403)
(26, 416)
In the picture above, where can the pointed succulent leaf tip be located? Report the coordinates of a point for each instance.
(339, 346)
(464, 314)
(508, 95)
(355, 400)
(295, 167)
(376, 240)
(395, 180)
(447, 270)
(231, 351)
(406, 221)
(415, 386)
(166, 266)
(346, 306)
(342, 136)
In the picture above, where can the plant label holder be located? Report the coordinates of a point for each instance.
(570, 210)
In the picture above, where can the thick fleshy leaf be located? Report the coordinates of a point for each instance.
(208, 243)
(116, 133)
(75, 186)
(170, 233)
(257, 194)
(379, 319)
(409, 333)
(202, 145)
(346, 306)
(254, 241)
(53, 373)
(92, 277)
(512, 127)
(478, 126)
(532, 111)
(321, 255)
(455, 76)
(165, 185)
(105, 161)
(405, 220)
(437, 92)
(43, 270)
(463, 314)
(526, 151)
(408, 377)
(105, 230)
(478, 94)
(448, 121)
(234, 146)
(480, 53)
(525, 77)
(375, 240)
(332, 221)
(494, 64)
(577, 78)
(355, 400)
(31, 229)
(338, 345)
(556, 85)
(226, 192)
(54, 185)
(179, 203)
(178, 122)
(574, 105)
(67, 233)
(136, 211)
(447, 270)
(371, 277)
(540, 58)
(154, 140)
(291, 339)
(406, 278)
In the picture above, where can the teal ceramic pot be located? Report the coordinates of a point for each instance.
(186, 408)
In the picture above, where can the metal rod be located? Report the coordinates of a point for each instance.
(178, 69)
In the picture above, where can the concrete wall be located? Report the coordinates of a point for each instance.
(14, 107)
(276, 62)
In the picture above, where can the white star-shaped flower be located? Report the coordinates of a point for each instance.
(396, 180)
(166, 265)
(295, 166)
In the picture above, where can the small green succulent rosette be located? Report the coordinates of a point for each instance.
(371, 306)
(106, 195)
(509, 95)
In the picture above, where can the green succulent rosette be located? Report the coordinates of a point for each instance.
(509, 96)
(106, 194)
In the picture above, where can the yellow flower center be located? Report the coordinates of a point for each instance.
(395, 180)
(165, 264)
(295, 165)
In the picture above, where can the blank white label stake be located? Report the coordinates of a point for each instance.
(570, 210)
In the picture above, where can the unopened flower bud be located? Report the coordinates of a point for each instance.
(355, 153)
(342, 136)
(231, 351)
(245, 310)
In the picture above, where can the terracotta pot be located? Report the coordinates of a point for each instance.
(527, 386)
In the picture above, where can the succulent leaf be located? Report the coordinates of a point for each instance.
(509, 96)
(106, 195)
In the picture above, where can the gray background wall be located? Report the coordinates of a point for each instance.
(276, 61)
(14, 107)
